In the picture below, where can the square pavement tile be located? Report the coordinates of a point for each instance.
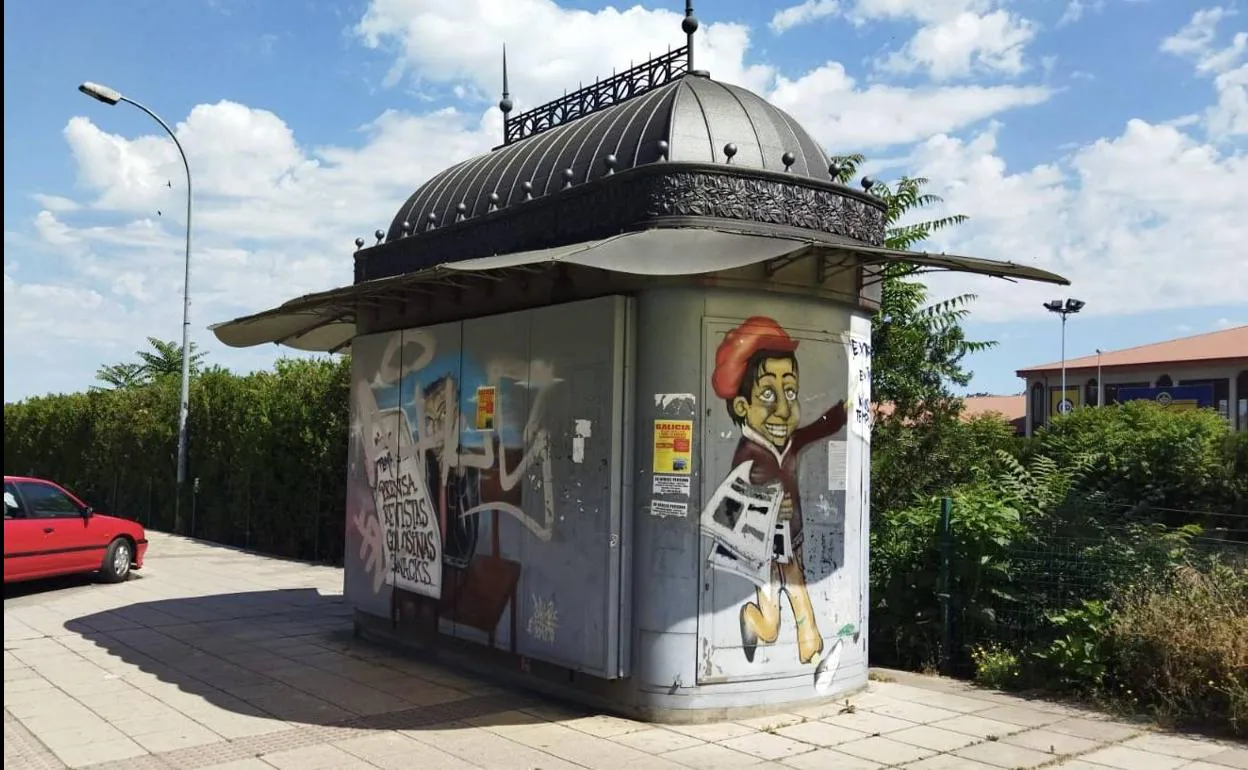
(884, 750)
(1104, 731)
(1049, 742)
(948, 762)
(713, 732)
(910, 711)
(829, 759)
(657, 740)
(100, 751)
(869, 722)
(773, 722)
(1232, 757)
(1004, 755)
(1020, 715)
(767, 746)
(1132, 759)
(314, 758)
(822, 734)
(933, 738)
(711, 757)
(1175, 745)
(978, 726)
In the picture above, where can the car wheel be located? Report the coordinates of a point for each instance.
(117, 561)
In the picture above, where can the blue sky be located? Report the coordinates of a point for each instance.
(1103, 139)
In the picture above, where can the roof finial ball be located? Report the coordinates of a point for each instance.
(610, 162)
(406, 228)
(867, 183)
(663, 149)
(567, 177)
(689, 26)
(788, 159)
(432, 219)
(379, 234)
(834, 171)
(461, 211)
(730, 150)
(495, 199)
(527, 188)
(359, 243)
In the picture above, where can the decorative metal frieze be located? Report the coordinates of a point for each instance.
(616, 89)
(633, 200)
(754, 199)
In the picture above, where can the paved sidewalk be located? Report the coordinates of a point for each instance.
(216, 658)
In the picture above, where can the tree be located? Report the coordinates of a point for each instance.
(123, 375)
(165, 357)
(918, 351)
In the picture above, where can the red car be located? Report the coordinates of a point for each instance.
(48, 531)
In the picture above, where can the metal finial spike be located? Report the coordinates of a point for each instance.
(505, 104)
(505, 83)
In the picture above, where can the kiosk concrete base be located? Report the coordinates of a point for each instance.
(619, 697)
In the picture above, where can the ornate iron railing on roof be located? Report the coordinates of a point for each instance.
(616, 89)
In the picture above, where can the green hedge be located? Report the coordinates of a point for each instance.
(268, 449)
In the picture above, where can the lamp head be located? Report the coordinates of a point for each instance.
(100, 93)
(1074, 305)
(1054, 305)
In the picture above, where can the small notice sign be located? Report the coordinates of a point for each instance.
(673, 446)
(487, 405)
(672, 485)
(667, 509)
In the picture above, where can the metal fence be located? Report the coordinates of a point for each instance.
(1046, 573)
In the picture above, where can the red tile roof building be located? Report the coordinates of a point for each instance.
(1215, 359)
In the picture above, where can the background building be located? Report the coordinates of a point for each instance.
(1205, 370)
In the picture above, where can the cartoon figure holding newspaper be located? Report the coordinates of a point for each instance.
(756, 374)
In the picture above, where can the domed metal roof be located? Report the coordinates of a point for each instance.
(692, 119)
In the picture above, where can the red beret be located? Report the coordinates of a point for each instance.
(754, 334)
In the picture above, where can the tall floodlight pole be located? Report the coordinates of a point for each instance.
(1065, 308)
(111, 97)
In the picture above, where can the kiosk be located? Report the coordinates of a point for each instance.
(611, 402)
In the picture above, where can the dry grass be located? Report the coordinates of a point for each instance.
(1182, 651)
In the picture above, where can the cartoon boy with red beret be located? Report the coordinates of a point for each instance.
(756, 373)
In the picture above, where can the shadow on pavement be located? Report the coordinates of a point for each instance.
(48, 586)
(288, 655)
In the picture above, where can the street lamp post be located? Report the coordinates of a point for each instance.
(1100, 384)
(111, 97)
(1065, 308)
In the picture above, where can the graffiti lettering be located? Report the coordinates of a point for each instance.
(411, 535)
(861, 414)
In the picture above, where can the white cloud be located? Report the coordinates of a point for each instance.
(828, 103)
(1145, 220)
(803, 13)
(549, 48)
(55, 202)
(955, 38)
(1196, 41)
(965, 44)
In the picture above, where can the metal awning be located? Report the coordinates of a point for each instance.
(326, 320)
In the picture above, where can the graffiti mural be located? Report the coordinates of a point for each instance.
(465, 455)
(756, 517)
